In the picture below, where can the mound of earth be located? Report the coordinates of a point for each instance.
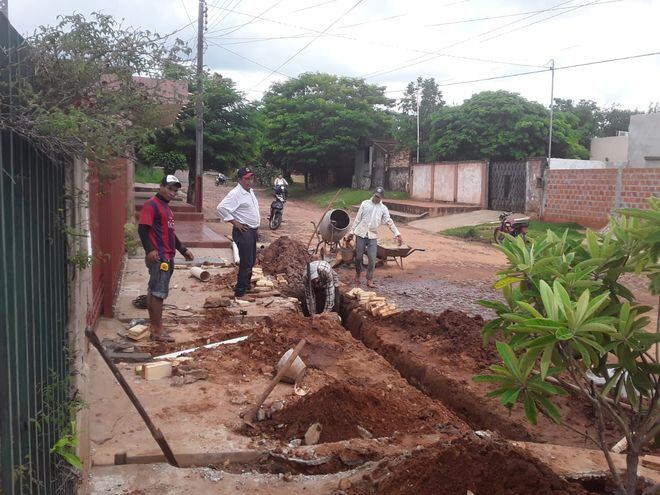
(222, 280)
(340, 408)
(459, 332)
(468, 463)
(288, 257)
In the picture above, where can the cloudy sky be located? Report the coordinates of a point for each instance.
(391, 42)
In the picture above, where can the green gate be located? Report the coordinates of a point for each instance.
(34, 365)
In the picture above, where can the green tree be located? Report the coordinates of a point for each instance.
(499, 125)
(314, 120)
(615, 119)
(567, 322)
(232, 130)
(430, 102)
(589, 118)
(77, 94)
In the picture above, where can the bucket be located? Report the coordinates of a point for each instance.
(296, 369)
(200, 273)
(347, 254)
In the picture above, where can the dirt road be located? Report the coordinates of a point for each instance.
(450, 274)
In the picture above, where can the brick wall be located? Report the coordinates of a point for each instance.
(588, 196)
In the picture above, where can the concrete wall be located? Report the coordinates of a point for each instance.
(609, 149)
(644, 143)
(470, 183)
(587, 196)
(458, 182)
(421, 185)
(362, 174)
(570, 164)
(534, 186)
(398, 178)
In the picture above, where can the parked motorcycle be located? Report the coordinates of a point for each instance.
(221, 180)
(509, 225)
(277, 207)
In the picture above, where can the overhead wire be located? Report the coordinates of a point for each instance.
(438, 53)
(352, 38)
(309, 43)
(478, 19)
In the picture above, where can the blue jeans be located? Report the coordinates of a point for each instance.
(363, 244)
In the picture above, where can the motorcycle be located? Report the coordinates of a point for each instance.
(277, 207)
(220, 180)
(508, 225)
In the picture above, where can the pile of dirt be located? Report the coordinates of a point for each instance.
(340, 408)
(458, 332)
(468, 463)
(223, 280)
(288, 257)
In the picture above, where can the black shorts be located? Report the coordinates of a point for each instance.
(159, 280)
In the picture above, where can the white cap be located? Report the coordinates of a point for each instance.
(170, 180)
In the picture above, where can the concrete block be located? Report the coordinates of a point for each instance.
(157, 370)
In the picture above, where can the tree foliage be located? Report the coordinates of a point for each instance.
(430, 102)
(231, 128)
(312, 120)
(499, 125)
(77, 95)
(568, 321)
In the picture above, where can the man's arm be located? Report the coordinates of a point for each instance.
(183, 249)
(226, 209)
(144, 231)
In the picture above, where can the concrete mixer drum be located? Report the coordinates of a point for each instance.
(332, 228)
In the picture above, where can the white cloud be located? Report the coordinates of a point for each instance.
(385, 37)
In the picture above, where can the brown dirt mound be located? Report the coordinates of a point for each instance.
(459, 332)
(222, 280)
(468, 463)
(288, 257)
(340, 408)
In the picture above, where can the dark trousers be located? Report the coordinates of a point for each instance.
(247, 250)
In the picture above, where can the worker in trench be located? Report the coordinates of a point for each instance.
(322, 292)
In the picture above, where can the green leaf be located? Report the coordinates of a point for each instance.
(509, 358)
(72, 459)
(563, 334)
(529, 308)
(503, 282)
(546, 360)
(510, 397)
(550, 409)
(530, 409)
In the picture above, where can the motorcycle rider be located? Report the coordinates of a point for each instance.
(221, 179)
(281, 182)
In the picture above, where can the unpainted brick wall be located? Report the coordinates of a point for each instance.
(588, 196)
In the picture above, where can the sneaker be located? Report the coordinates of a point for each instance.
(161, 337)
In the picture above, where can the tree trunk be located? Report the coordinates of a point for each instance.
(190, 197)
(306, 181)
(632, 463)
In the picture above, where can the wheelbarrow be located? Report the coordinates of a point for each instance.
(395, 254)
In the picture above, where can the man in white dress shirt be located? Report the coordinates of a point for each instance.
(371, 215)
(241, 208)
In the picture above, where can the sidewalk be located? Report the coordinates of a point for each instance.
(438, 224)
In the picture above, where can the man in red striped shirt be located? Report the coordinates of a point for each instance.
(156, 231)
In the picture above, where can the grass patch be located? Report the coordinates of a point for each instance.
(346, 198)
(484, 231)
(148, 175)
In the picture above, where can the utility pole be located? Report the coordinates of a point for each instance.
(199, 109)
(552, 106)
(417, 98)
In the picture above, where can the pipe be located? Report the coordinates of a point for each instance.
(200, 273)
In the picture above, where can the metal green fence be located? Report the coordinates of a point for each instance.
(34, 370)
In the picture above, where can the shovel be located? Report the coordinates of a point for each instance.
(250, 415)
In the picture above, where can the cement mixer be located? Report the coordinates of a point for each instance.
(332, 228)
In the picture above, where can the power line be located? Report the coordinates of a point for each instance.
(437, 53)
(565, 67)
(477, 19)
(309, 43)
(253, 61)
(236, 28)
(317, 5)
(352, 38)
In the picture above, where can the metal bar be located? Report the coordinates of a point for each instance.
(155, 432)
